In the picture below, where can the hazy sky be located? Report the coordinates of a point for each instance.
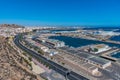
(70, 12)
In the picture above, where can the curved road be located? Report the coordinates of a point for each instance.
(60, 69)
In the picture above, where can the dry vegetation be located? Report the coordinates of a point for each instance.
(12, 65)
(11, 25)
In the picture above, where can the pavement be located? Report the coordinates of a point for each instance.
(53, 75)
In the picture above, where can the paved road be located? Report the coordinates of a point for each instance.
(60, 69)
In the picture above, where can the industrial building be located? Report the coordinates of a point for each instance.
(88, 58)
(99, 48)
(100, 62)
(55, 43)
(52, 52)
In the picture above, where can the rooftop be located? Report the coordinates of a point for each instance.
(98, 46)
(90, 57)
(85, 55)
(99, 60)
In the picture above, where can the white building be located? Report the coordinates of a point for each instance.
(45, 49)
(52, 52)
(99, 48)
(55, 43)
(97, 61)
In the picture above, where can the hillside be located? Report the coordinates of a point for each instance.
(11, 25)
(12, 65)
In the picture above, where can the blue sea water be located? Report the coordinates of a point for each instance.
(64, 30)
(116, 55)
(115, 38)
(117, 30)
(79, 42)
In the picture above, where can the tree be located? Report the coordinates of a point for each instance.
(24, 53)
(41, 52)
(95, 50)
(63, 63)
(30, 58)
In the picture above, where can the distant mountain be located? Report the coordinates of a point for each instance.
(11, 25)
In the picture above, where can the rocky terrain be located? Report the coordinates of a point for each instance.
(11, 25)
(12, 65)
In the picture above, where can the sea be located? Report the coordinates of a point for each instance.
(116, 55)
(115, 38)
(79, 42)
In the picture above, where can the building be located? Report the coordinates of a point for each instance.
(100, 62)
(52, 52)
(99, 48)
(45, 49)
(55, 43)
(97, 61)
(42, 47)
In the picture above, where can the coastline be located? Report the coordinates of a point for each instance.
(108, 41)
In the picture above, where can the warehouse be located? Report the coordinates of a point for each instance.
(100, 62)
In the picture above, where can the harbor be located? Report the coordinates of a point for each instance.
(79, 42)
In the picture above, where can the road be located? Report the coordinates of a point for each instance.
(60, 69)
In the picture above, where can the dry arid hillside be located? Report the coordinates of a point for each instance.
(11, 25)
(12, 65)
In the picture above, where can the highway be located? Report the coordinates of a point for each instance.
(60, 69)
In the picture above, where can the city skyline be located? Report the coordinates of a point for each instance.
(60, 12)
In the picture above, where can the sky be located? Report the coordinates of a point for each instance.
(60, 12)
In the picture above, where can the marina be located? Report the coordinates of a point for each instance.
(116, 54)
(115, 38)
(79, 42)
